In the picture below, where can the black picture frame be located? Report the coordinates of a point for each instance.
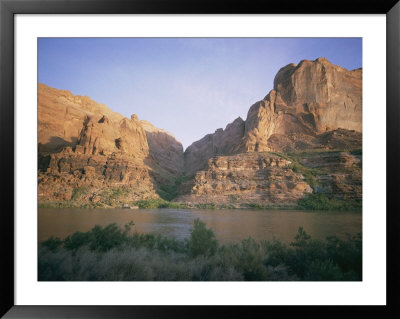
(8, 8)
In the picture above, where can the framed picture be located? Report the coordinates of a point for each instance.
(84, 162)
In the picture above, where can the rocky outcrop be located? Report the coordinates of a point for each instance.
(314, 105)
(100, 135)
(340, 174)
(308, 99)
(84, 145)
(246, 178)
(74, 174)
(222, 142)
(275, 180)
(61, 116)
(87, 151)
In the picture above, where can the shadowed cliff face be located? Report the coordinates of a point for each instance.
(166, 150)
(308, 101)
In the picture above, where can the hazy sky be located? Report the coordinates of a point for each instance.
(188, 86)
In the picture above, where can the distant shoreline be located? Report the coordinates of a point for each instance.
(312, 202)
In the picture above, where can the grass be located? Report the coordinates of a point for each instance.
(70, 204)
(109, 253)
(77, 192)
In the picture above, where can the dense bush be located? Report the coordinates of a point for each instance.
(317, 201)
(109, 253)
(158, 203)
(170, 190)
(202, 240)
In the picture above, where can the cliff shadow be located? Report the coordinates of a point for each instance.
(55, 145)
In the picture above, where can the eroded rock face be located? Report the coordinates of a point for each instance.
(273, 180)
(310, 102)
(84, 145)
(62, 174)
(87, 150)
(341, 174)
(326, 96)
(246, 178)
(99, 135)
(61, 116)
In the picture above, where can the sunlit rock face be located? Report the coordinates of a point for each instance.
(84, 145)
(246, 178)
(61, 117)
(269, 179)
(313, 105)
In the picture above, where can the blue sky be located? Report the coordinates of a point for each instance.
(188, 86)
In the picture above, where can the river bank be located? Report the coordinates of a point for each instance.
(112, 254)
(310, 202)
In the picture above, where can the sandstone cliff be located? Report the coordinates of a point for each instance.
(166, 150)
(222, 142)
(275, 179)
(296, 141)
(61, 116)
(246, 178)
(90, 153)
(309, 103)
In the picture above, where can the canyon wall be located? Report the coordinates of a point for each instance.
(309, 102)
(86, 149)
(300, 139)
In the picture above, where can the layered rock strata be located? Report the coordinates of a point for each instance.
(90, 153)
(246, 178)
(309, 102)
(340, 174)
(86, 148)
(274, 180)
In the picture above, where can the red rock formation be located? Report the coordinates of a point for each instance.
(84, 145)
(246, 178)
(309, 101)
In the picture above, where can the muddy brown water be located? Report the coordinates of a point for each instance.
(229, 225)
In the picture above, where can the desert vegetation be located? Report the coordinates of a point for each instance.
(113, 254)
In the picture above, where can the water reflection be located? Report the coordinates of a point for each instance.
(228, 225)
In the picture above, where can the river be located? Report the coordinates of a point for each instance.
(230, 225)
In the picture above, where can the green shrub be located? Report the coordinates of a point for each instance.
(109, 253)
(115, 196)
(202, 240)
(52, 243)
(315, 202)
(158, 203)
(206, 206)
(308, 173)
(77, 192)
(98, 238)
(256, 206)
(170, 191)
(318, 201)
(251, 261)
